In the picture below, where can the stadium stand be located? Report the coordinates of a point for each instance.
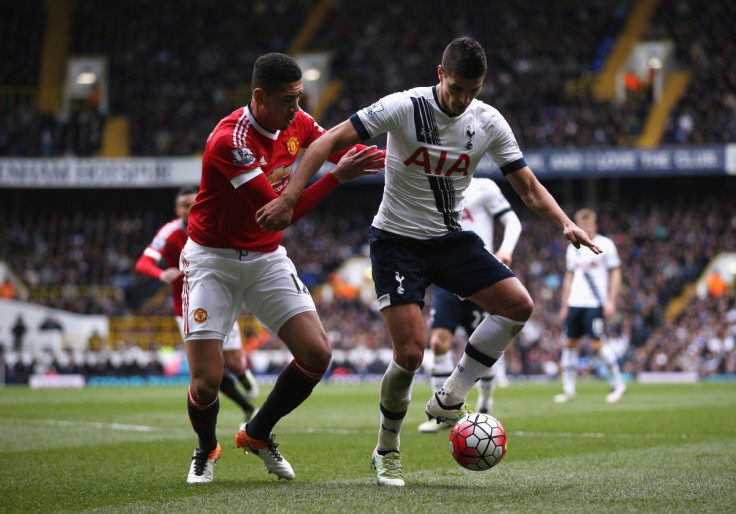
(173, 89)
(74, 250)
(707, 111)
(665, 242)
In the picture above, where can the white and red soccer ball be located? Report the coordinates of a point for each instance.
(478, 442)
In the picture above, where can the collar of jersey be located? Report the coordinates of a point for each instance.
(437, 101)
(257, 126)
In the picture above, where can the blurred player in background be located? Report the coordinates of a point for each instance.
(436, 137)
(230, 263)
(167, 247)
(484, 203)
(589, 293)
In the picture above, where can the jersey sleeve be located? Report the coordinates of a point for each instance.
(382, 116)
(315, 131)
(504, 150)
(497, 202)
(258, 192)
(146, 265)
(611, 252)
(236, 158)
(570, 258)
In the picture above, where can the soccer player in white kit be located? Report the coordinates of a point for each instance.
(437, 135)
(230, 263)
(589, 293)
(484, 203)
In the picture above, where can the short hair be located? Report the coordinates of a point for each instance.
(585, 214)
(464, 57)
(272, 70)
(186, 190)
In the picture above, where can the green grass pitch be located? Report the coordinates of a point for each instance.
(663, 448)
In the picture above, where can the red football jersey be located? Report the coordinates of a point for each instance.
(167, 245)
(236, 151)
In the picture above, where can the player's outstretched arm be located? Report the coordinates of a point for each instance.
(511, 232)
(277, 214)
(538, 199)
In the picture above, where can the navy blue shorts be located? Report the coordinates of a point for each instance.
(585, 320)
(450, 312)
(403, 267)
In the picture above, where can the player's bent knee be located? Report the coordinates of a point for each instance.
(322, 358)
(439, 347)
(316, 354)
(410, 359)
(520, 307)
(205, 390)
(234, 361)
(526, 309)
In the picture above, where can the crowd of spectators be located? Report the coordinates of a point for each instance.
(534, 50)
(665, 242)
(122, 361)
(706, 113)
(69, 133)
(180, 67)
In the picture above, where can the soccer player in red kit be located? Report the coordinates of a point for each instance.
(230, 263)
(166, 247)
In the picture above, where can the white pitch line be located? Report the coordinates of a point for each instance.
(308, 430)
(65, 423)
(588, 435)
(585, 435)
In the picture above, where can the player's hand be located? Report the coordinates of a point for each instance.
(356, 164)
(563, 313)
(579, 237)
(504, 257)
(169, 275)
(275, 215)
(609, 310)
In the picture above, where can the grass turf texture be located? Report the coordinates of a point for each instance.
(663, 448)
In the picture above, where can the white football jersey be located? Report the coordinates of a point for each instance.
(589, 286)
(431, 156)
(484, 201)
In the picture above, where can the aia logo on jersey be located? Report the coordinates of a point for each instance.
(467, 216)
(586, 265)
(438, 166)
(200, 315)
(243, 156)
(292, 145)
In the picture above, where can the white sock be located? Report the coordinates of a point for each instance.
(485, 346)
(500, 368)
(569, 363)
(396, 387)
(441, 369)
(486, 388)
(608, 357)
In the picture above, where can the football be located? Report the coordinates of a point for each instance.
(478, 442)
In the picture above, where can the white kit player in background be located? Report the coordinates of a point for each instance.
(437, 135)
(484, 203)
(589, 293)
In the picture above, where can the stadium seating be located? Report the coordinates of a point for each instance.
(173, 89)
(664, 243)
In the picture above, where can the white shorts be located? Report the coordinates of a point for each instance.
(233, 341)
(220, 282)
